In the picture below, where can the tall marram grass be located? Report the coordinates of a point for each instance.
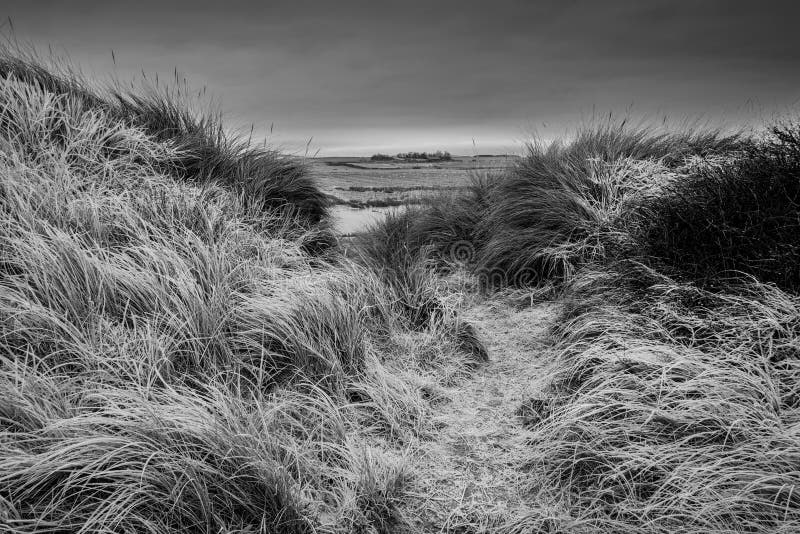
(205, 151)
(739, 216)
(172, 356)
(559, 206)
(553, 211)
(670, 408)
(673, 402)
(404, 267)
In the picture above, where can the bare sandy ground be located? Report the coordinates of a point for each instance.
(470, 473)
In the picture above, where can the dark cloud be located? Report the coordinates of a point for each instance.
(358, 76)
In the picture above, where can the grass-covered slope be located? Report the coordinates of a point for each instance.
(669, 408)
(672, 404)
(173, 355)
(204, 151)
(735, 216)
(558, 207)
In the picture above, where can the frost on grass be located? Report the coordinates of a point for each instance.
(176, 354)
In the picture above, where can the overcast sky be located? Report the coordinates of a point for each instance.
(367, 76)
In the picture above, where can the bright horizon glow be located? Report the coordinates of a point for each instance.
(391, 143)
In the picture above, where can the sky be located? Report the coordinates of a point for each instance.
(341, 77)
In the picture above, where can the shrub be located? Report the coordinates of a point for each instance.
(433, 156)
(742, 216)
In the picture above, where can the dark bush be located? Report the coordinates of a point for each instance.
(741, 217)
(432, 156)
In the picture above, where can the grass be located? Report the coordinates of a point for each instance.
(670, 407)
(384, 249)
(394, 189)
(734, 217)
(558, 207)
(672, 403)
(182, 345)
(205, 151)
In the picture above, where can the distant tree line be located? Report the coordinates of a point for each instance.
(432, 156)
(438, 155)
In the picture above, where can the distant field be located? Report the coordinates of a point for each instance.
(360, 179)
(365, 190)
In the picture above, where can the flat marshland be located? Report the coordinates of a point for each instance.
(600, 336)
(362, 190)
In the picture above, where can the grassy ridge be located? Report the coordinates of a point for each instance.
(558, 207)
(204, 151)
(173, 356)
(673, 402)
(669, 407)
(735, 216)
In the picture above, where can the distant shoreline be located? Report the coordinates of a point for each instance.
(401, 160)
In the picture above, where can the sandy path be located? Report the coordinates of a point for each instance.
(470, 473)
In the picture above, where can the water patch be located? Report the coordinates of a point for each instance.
(347, 220)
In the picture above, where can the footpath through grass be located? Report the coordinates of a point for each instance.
(471, 473)
(185, 346)
(671, 402)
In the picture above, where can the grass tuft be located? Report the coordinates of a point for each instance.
(737, 216)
